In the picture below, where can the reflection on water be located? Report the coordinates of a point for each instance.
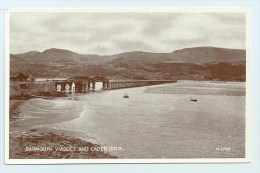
(152, 124)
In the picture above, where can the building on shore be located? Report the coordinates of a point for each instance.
(19, 77)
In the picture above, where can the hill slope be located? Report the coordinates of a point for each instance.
(199, 63)
(197, 55)
(209, 55)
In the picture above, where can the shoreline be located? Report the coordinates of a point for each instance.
(22, 139)
(198, 89)
(76, 132)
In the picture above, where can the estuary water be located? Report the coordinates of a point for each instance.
(154, 122)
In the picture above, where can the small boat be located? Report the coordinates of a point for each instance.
(193, 100)
(126, 96)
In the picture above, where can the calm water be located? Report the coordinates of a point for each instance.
(155, 122)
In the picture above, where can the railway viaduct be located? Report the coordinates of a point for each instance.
(84, 84)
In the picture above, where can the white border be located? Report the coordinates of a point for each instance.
(127, 10)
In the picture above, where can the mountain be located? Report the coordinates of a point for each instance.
(17, 63)
(28, 55)
(188, 55)
(60, 56)
(208, 55)
(198, 63)
(197, 55)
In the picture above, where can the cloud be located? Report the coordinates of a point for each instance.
(110, 33)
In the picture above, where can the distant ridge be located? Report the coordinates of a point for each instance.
(187, 55)
(210, 54)
(196, 63)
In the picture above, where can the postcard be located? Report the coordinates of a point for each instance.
(157, 85)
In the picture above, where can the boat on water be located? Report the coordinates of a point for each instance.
(126, 96)
(193, 100)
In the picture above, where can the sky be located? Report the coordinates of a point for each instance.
(107, 33)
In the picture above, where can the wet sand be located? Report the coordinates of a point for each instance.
(23, 137)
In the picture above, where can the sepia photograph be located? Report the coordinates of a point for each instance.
(162, 85)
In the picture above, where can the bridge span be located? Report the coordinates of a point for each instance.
(85, 84)
(117, 84)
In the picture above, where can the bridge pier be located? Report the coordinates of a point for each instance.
(105, 85)
(91, 86)
(69, 87)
